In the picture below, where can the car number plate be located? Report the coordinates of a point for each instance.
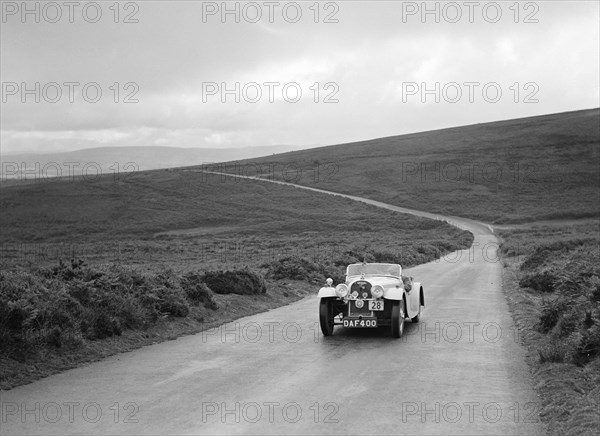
(375, 305)
(360, 323)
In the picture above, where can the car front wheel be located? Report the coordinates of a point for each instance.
(398, 319)
(326, 316)
(417, 318)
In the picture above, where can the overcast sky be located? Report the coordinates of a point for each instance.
(371, 61)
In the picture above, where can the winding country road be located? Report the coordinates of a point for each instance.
(461, 370)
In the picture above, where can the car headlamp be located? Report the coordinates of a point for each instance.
(341, 290)
(377, 291)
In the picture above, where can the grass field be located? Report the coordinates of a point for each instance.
(139, 245)
(184, 221)
(519, 170)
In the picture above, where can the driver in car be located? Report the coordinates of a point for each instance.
(407, 283)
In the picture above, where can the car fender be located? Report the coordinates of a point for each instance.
(327, 291)
(394, 294)
(414, 300)
(417, 289)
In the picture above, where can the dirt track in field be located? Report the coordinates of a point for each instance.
(461, 370)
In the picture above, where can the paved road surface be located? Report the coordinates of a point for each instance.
(460, 371)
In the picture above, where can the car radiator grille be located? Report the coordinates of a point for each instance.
(362, 287)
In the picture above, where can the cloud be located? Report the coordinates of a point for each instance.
(363, 62)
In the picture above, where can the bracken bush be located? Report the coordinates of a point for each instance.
(242, 282)
(197, 291)
(334, 266)
(542, 281)
(70, 303)
(302, 268)
(545, 253)
(568, 275)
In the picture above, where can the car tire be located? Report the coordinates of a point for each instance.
(398, 319)
(326, 316)
(417, 318)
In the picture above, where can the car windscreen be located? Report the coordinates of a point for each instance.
(374, 269)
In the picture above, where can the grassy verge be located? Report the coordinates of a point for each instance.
(53, 337)
(552, 282)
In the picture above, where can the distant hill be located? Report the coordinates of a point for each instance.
(543, 167)
(123, 159)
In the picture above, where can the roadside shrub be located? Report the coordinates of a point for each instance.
(594, 286)
(541, 281)
(406, 254)
(510, 249)
(68, 271)
(348, 257)
(569, 272)
(568, 322)
(536, 259)
(71, 302)
(548, 254)
(172, 301)
(294, 268)
(132, 314)
(103, 326)
(54, 337)
(356, 255)
(551, 312)
(336, 274)
(197, 291)
(588, 346)
(242, 282)
(544, 254)
(301, 268)
(386, 257)
(551, 352)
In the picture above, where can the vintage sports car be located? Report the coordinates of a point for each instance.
(374, 295)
